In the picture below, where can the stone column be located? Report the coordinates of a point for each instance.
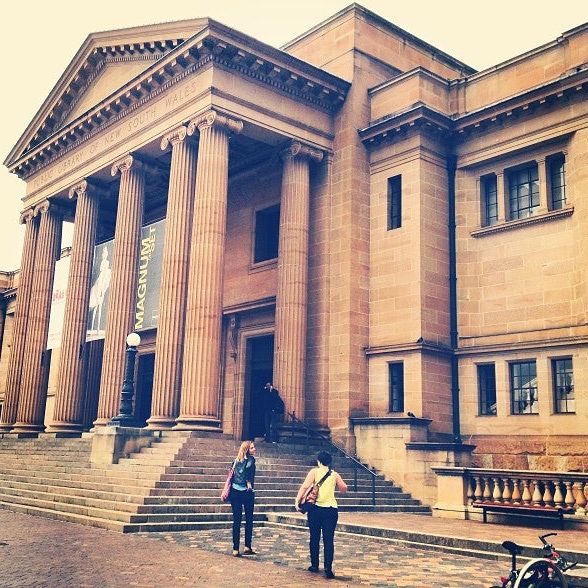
(123, 283)
(199, 405)
(21, 318)
(33, 395)
(167, 378)
(68, 413)
(542, 174)
(292, 291)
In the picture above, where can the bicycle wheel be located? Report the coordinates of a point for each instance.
(541, 573)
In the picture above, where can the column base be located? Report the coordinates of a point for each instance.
(161, 423)
(5, 428)
(62, 429)
(198, 423)
(61, 434)
(27, 429)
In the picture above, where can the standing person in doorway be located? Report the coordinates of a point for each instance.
(242, 496)
(273, 409)
(322, 517)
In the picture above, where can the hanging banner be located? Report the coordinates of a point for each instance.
(100, 290)
(58, 302)
(149, 278)
(146, 311)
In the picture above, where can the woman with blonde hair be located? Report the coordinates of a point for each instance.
(242, 496)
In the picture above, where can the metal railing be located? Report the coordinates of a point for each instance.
(314, 434)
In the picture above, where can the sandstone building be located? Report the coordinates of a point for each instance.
(365, 219)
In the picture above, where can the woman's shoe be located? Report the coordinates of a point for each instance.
(329, 574)
(249, 551)
(236, 553)
(313, 569)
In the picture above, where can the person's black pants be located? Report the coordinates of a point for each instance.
(242, 500)
(271, 425)
(322, 520)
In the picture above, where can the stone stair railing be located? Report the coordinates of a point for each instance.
(462, 487)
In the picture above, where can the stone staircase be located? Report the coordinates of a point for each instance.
(172, 485)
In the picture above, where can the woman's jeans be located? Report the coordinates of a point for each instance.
(242, 499)
(322, 520)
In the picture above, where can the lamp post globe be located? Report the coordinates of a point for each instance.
(133, 340)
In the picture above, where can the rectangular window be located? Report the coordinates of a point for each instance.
(394, 202)
(523, 189)
(563, 385)
(267, 229)
(557, 181)
(490, 200)
(523, 387)
(396, 383)
(487, 389)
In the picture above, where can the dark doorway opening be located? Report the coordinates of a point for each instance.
(258, 371)
(144, 388)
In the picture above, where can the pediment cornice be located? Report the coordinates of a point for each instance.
(215, 45)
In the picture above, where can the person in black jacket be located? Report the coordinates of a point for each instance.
(273, 408)
(242, 496)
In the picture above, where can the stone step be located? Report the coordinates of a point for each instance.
(93, 485)
(47, 477)
(65, 516)
(48, 495)
(100, 513)
(75, 491)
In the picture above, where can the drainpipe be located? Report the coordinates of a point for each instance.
(451, 165)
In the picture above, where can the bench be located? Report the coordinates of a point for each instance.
(525, 510)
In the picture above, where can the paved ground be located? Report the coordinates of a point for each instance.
(38, 552)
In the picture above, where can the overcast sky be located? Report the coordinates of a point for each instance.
(41, 37)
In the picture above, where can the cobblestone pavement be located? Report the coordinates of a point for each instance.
(357, 561)
(43, 553)
(38, 552)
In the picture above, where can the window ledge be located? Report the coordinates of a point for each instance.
(263, 265)
(523, 222)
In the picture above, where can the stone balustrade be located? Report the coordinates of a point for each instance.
(462, 487)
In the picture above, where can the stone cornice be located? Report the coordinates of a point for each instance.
(215, 45)
(420, 346)
(522, 345)
(418, 116)
(456, 127)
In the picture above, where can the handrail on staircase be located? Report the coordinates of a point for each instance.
(318, 434)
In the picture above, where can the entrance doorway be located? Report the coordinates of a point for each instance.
(258, 371)
(145, 372)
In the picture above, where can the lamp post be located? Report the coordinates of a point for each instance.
(125, 417)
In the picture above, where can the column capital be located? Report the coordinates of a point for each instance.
(124, 164)
(173, 137)
(298, 149)
(48, 206)
(213, 118)
(84, 186)
(26, 215)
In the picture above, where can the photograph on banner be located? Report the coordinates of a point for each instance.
(149, 276)
(58, 302)
(100, 290)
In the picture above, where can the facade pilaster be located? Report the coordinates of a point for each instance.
(292, 290)
(200, 398)
(167, 378)
(68, 412)
(119, 320)
(33, 395)
(21, 318)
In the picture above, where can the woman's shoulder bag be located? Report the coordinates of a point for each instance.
(309, 498)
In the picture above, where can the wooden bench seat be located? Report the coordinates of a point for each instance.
(524, 510)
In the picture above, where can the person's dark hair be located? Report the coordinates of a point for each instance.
(325, 458)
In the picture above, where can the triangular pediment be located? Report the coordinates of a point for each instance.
(105, 62)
